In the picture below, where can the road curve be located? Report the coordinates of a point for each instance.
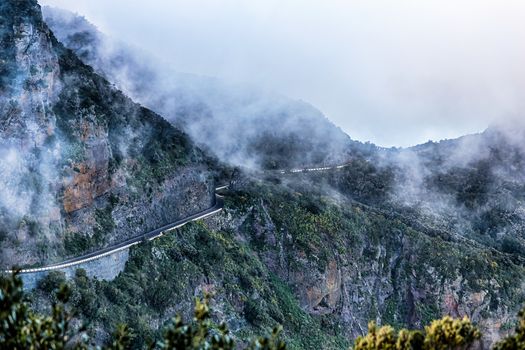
(217, 207)
(308, 170)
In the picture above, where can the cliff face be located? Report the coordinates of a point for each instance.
(81, 165)
(349, 263)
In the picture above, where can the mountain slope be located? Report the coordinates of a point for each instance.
(290, 254)
(474, 185)
(81, 164)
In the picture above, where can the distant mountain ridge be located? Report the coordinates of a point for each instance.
(479, 183)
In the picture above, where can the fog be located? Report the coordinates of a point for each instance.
(240, 123)
(449, 185)
(393, 73)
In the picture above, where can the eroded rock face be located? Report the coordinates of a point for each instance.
(323, 295)
(89, 179)
(80, 163)
(394, 276)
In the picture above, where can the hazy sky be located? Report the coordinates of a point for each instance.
(391, 72)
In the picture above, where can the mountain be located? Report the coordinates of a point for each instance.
(321, 253)
(81, 165)
(311, 259)
(289, 133)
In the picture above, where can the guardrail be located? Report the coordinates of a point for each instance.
(217, 207)
(306, 170)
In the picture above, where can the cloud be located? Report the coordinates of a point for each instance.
(394, 73)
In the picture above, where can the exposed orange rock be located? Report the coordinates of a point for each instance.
(90, 181)
(324, 295)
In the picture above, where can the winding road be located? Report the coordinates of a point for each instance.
(307, 170)
(149, 236)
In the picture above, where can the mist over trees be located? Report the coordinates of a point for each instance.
(241, 124)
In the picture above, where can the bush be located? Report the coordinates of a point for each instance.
(516, 341)
(21, 328)
(443, 334)
(253, 311)
(511, 246)
(52, 282)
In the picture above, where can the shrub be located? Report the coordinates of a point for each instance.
(443, 334)
(21, 328)
(52, 282)
(516, 341)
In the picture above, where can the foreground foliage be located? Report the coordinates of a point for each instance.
(516, 341)
(21, 328)
(443, 334)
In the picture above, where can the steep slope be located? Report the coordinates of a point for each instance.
(323, 268)
(474, 185)
(81, 165)
(257, 128)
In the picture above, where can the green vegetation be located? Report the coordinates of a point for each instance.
(274, 247)
(22, 328)
(79, 243)
(517, 340)
(161, 277)
(443, 334)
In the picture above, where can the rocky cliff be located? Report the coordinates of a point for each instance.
(81, 165)
(321, 267)
(320, 253)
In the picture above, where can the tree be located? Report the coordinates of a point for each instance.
(21, 328)
(443, 334)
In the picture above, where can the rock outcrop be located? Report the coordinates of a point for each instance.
(81, 165)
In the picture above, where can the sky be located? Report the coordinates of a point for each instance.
(396, 73)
